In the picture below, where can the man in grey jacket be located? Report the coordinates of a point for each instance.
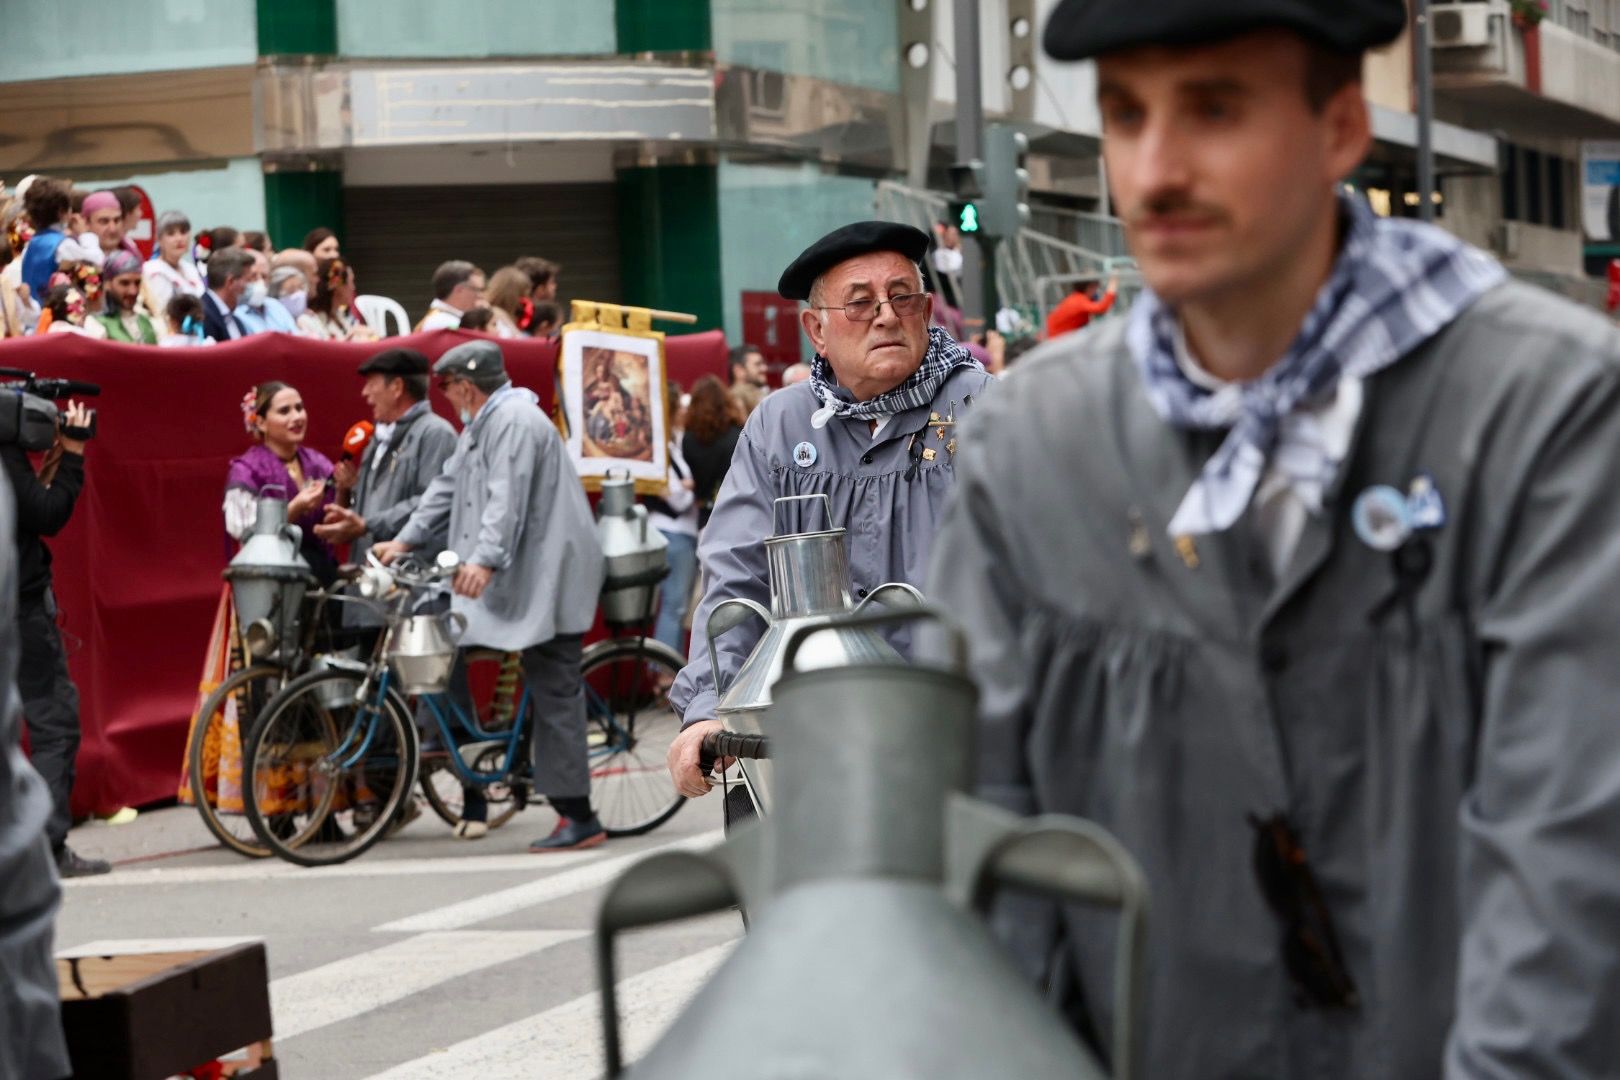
(873, 430)
(510, 504)
(408, 448)
(1302, 581)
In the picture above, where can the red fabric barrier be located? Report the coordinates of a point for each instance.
(138, 568)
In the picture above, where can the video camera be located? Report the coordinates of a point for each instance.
(28, 414)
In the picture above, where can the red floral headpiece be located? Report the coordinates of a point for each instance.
(250, 412)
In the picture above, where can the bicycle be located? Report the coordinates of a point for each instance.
(228, 712)
(331, 759)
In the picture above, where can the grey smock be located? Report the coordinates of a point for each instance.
(31, 1043)
(509, 499)
(890, 508)
(1451, 765)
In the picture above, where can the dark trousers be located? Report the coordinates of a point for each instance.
(556, 717)
(557, 703)
(50, 704)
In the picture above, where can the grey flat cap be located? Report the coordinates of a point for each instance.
(477, 361)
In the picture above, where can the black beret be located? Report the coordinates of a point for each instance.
(861, 238)
(396, 362)
(1079, 29)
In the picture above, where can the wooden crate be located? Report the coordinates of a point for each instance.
(149, 1016)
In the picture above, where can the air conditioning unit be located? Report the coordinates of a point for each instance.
(1506, 240)
(1465, 25)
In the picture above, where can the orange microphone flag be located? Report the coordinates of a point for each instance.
(355, 442)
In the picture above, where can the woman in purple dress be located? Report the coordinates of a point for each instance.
(273, 413)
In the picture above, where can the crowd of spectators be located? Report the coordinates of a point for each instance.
(69, 265)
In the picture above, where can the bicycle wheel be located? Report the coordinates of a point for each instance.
(229, 712)
(630, 725)
(441, 786)
(326, 773)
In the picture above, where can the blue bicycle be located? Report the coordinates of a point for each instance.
(331, 761)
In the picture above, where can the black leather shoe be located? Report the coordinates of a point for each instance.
(570, 836)
(70, 863)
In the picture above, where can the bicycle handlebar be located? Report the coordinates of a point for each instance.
(730, 744)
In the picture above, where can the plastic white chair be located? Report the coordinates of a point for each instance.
(377, 310)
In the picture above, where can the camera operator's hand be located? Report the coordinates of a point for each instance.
(307, 499)
(75, 415)
(341, 526)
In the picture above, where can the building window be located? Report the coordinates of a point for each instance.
(1535, 179)
(1510, 182)
(1556, 173)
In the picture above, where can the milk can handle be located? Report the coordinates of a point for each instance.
(608, 475)
(925, 613)
(460, 622)
(1074, 860)
(659, 889)
(727, 615)
(826, 508)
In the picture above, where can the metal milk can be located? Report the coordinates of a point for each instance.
(867, 953)
(810, 586)
(268, 580)
(635, 553)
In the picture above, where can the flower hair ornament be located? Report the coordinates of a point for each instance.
(18, 233)
(337, 275)
(88, 279)
(250, 412)
(202, 247)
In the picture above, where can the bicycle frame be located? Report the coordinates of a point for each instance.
(438, 704)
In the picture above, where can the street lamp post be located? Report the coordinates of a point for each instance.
(1425, 109)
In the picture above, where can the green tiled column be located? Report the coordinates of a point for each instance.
(296, 202)
(297, 27)
(669, 240)
(663, 26)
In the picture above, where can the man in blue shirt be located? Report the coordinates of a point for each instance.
(47, 202)
(258, 312)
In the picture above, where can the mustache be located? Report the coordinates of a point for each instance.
(1172, 204)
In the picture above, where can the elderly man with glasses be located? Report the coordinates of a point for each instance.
(873, 429)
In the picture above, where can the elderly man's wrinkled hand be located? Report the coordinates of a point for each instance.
(472, 580)
(685, 754)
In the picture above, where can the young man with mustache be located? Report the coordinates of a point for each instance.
(1302, 581)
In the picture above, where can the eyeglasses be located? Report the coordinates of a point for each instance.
(866, 310)
(1310, 946)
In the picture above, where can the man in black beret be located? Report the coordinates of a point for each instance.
(409, 445)
(873, 429)
(1301, 579)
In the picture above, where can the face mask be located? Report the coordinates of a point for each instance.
(296, 303)
(256, 293)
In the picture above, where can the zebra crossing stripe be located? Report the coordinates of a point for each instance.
(566, 1041)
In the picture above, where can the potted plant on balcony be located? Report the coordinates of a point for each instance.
(1527, 14)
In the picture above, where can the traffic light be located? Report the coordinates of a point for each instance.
(965, 216)
(1005, 207)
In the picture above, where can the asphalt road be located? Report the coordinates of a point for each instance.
(425, 957)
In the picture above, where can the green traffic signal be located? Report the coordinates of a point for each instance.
(968, 219)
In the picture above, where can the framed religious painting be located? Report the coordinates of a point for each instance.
(614, 411)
